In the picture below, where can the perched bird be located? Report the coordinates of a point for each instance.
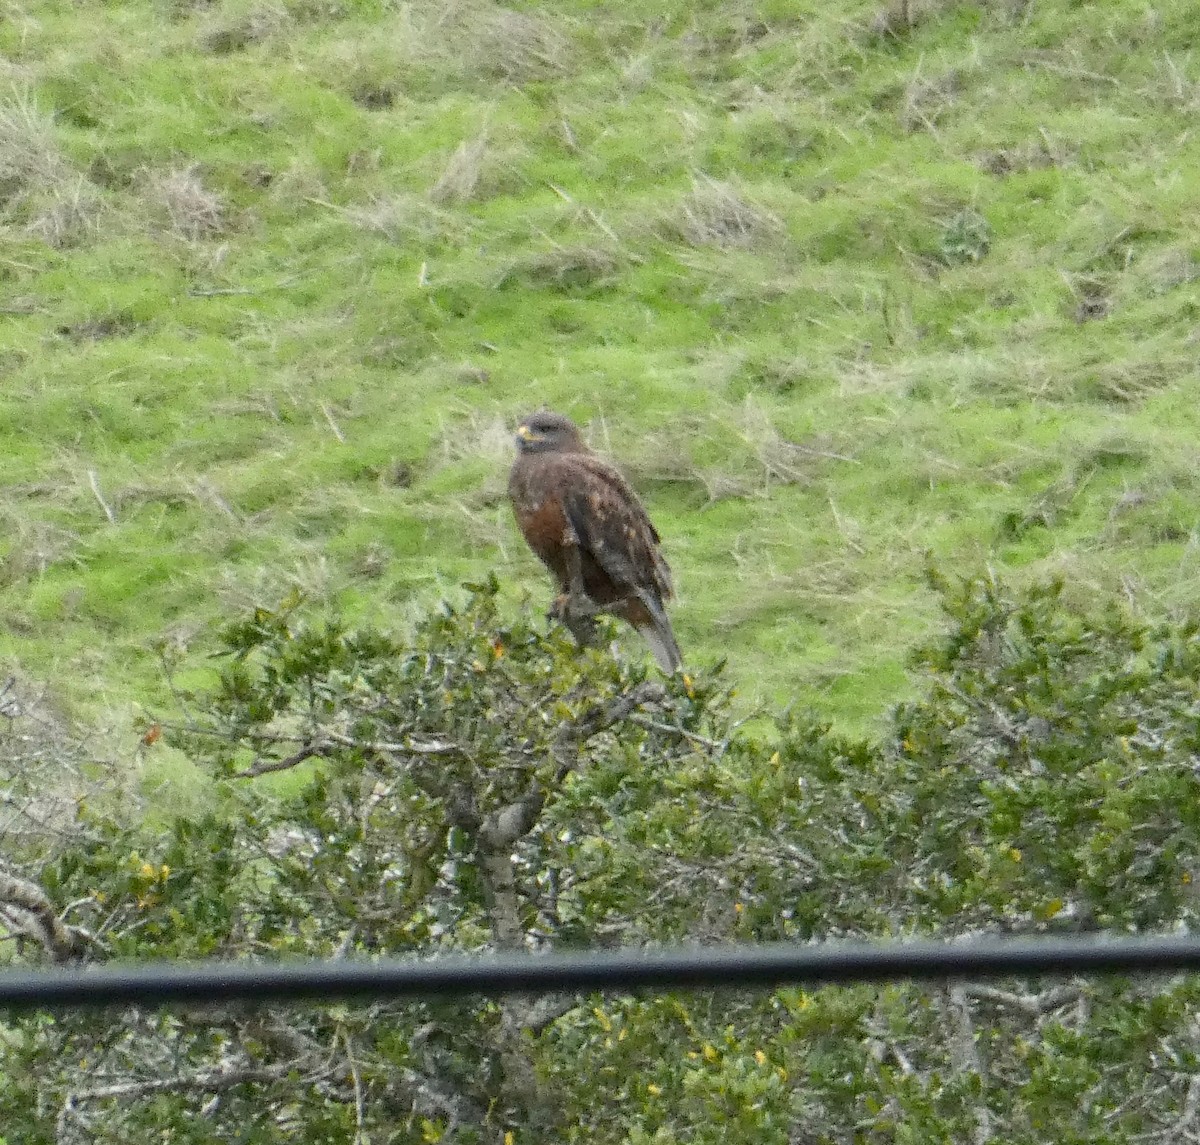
(588, 527)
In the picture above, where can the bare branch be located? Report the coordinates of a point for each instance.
(548, 1009)
(1032, 1004)
(210, 1081)
(293, 760)
(966, 1056)
(596, 720)
(360, 1133)
(674, 729)
(30, 912)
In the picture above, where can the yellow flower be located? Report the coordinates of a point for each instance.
(760, 1057)
(1053, 907)
(653, 1089)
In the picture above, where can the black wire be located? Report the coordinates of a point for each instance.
(678, 969)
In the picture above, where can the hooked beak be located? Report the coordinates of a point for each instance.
(525, 434)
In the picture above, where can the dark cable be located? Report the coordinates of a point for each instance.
(151, 984)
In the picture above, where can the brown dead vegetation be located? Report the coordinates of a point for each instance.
(718, 214)
(190, 209)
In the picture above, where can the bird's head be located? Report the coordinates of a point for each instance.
(546, 432)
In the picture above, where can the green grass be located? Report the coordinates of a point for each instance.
(837, 291)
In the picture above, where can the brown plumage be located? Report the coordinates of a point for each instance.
(588, 527)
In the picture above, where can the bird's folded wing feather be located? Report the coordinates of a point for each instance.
(612, 525)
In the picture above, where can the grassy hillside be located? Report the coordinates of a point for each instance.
(838, 284)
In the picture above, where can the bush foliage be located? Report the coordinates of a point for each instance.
(485, 785)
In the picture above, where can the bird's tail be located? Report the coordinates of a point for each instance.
(658, 634)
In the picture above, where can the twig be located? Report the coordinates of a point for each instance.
(327, 205)
(966, 1053)
(210, 1082)
(360, 1132)
(1033, 1004)
(414, 747)
(1069, 71)
(694, 737)
(333, 425)
(203, 491)
(306, 752)
(94, 482)
(601, 717)
(1191, 1107)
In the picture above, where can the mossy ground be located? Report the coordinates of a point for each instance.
(838, 284)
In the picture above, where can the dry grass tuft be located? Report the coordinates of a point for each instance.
(1128, 382)
(782, 461)
(463, 177)
(486, 437)
(518, 47)
(752, 456)
(37, 546)
(38, 186)
(664, 458)
(1165, 270)
(29, 153)
(68, 215)
(227, 33)
(481, 40)
(484, 440)
(193, 211)
(1033, 155)
(928, 99)
(403, 217)
(312, 575)
(299, 182)
(716, 214)
(574, 267)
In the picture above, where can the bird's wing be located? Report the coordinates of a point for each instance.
(613, 527)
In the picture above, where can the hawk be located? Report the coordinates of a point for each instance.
(588, 527)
